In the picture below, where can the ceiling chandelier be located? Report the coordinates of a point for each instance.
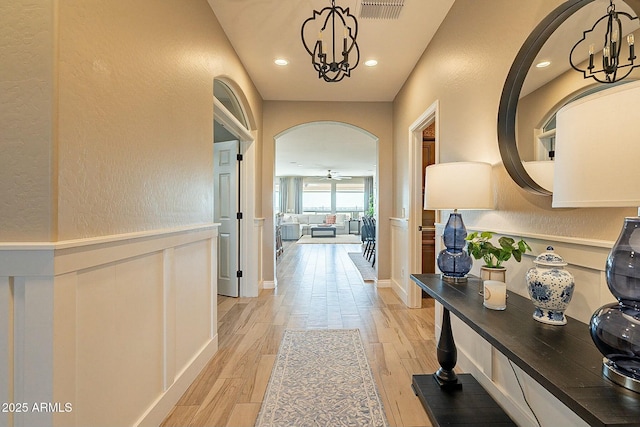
(333, 48)
(610, 51)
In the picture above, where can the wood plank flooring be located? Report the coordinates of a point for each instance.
(318, 287)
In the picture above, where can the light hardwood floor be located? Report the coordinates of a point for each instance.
(318, 287)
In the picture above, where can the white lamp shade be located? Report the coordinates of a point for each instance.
(458, 185)
(542, 172)
(597, 161)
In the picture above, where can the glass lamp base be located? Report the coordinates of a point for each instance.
(615, 327)
(611, 371)
(454, 262)
(454, 279)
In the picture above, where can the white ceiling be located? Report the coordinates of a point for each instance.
(263, 30)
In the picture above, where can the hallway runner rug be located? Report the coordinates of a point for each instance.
(367, 272)
(321, 378)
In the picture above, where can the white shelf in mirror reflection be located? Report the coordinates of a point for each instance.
(541, 171)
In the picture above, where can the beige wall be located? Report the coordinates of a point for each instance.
(466, 75)
(134, 125)
(26, 119)
(374, 117)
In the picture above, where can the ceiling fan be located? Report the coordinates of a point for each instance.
(334, 176)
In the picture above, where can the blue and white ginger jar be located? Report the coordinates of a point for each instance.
(550, 287)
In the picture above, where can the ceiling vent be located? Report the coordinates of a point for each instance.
(380, 9)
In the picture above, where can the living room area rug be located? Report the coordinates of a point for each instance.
(321, 377)
(340, 238)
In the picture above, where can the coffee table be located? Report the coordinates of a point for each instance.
(323, 231)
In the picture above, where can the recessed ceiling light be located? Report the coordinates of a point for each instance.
(543, 64)
(371, 63)
(281, 61)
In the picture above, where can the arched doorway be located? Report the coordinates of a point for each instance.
(325, 167)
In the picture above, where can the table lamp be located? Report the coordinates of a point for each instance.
(542, 172)
(456, 186)
(597, 165)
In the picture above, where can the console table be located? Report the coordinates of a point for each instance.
(563, 359)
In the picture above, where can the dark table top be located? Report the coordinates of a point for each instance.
(563, 359)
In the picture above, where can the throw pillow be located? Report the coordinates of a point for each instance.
(330, 219)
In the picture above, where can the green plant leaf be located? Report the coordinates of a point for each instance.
(506, 242)
(479, 246)
(486, 234)
(517, 255)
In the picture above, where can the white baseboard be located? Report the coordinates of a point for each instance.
(269, 284)
(165, 403)
(400, 291)
(383, 283)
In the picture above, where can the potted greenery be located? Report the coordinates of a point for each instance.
(479, 246)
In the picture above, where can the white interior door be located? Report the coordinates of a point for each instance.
(225, 213)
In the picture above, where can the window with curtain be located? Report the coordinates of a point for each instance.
(350, 195)
(316, 196)
(332, 196)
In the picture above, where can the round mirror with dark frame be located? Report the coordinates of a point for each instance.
(517, 79)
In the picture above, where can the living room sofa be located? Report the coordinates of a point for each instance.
(295, 226)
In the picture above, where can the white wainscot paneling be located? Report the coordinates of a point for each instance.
(6, 347)
(117, 327)
(193, 302)
(119, 340)
(400, 258)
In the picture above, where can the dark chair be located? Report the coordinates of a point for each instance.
(279, 246)
(369, 238)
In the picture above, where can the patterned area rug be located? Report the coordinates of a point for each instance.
(321, 378)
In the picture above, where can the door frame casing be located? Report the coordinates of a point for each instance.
(248, 240)
(429, 116)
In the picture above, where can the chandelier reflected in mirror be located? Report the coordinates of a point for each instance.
(613, 68)
(329, 36)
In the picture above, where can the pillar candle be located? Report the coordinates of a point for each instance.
(495, 295)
